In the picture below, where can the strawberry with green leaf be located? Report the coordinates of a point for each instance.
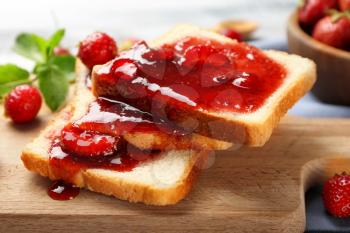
(52, 72)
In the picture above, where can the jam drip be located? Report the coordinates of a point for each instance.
(192, 73)
(62, 191)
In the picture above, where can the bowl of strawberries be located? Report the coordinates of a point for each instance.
(320, 30)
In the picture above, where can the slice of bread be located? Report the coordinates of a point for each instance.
(164, 180)
(253, 128)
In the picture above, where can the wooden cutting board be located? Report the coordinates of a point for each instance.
(245, 190)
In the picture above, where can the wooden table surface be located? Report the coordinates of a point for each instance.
(245, 190)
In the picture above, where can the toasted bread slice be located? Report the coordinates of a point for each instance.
(252, 128)
(161, 181)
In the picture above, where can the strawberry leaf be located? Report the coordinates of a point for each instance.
(11, 72)
(7, 87)
(31, 46)
(53, 72)
(54, 40)
(53, 84)
(66, 64)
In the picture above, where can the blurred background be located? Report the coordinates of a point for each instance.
(138, 18)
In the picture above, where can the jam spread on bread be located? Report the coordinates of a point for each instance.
(66, 164)
(95, 140)
(191, 73)
(62, 191)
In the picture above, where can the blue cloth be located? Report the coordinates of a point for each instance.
(317, 219)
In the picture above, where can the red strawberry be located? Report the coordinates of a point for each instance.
(344, 5)
(23, 103)
(87, 143)
(60, 51)
(313, 10)
(334, 30)
(233, 34)
(98, 48)
(336, 195)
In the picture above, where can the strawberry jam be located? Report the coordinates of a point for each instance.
(66, 164)
(62, 191)
(191, 73)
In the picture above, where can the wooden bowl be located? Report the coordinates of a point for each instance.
(333, 65)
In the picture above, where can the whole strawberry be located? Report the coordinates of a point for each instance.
(60, 51)
(313, 10)
(98, 48)
(344, 5)
(23, 103)
(334, 30)
(233, 34)
(336, 195)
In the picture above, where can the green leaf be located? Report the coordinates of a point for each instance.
(53, 85)
(66, 64)
(11, 72)
(55, 39)
(31, 46)
(35, 69)
(42, 44)
(7, 87)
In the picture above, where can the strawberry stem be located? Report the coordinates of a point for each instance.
(301, 3)
(336, 15)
